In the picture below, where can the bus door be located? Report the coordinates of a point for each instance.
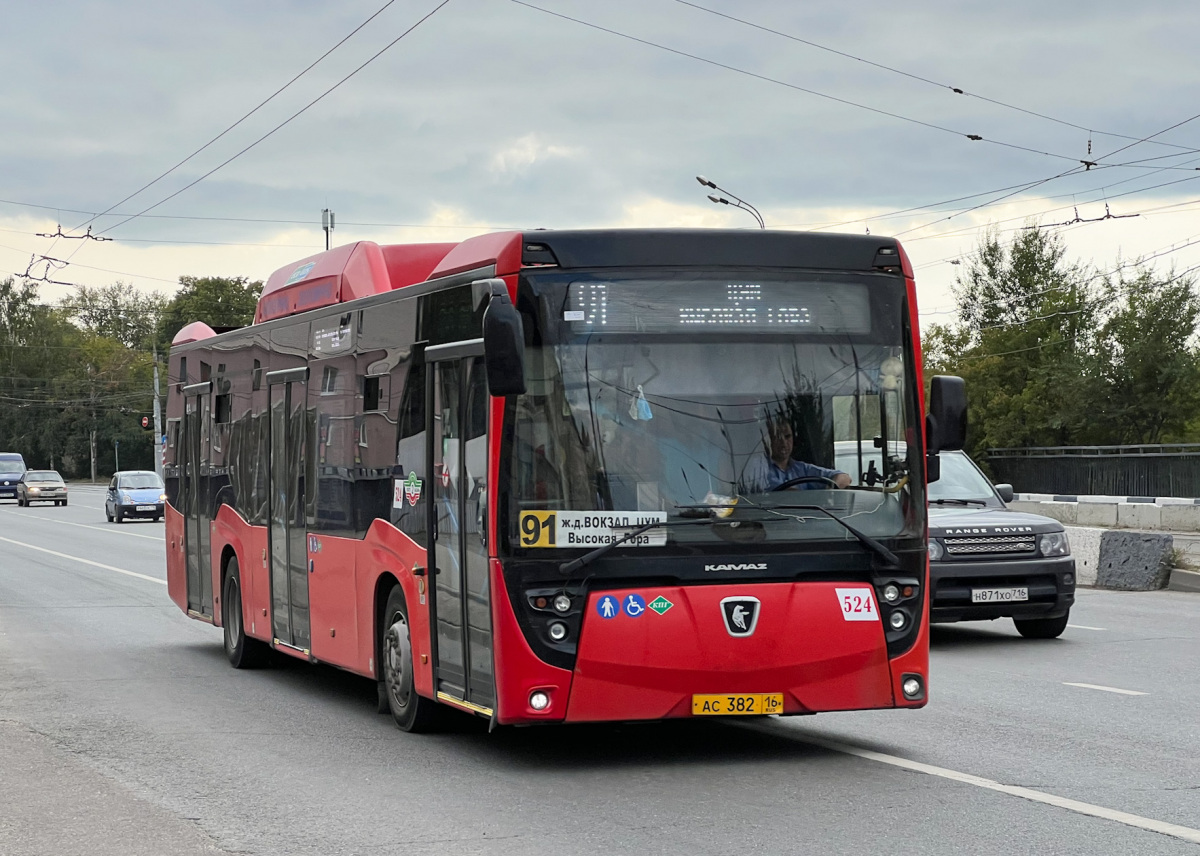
(193, 458)
(457, 408)
(285, 497)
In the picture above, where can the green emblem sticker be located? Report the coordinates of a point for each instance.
(660, 604)
(412, 489)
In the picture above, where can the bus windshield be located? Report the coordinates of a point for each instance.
(669, 395)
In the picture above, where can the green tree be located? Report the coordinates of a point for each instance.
(1148, 358)
(1024, 344)
(118, 312)
(68, 389)
(218, 301)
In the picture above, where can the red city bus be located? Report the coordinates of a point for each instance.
(569, 476)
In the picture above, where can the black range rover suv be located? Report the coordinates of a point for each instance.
(987, 561)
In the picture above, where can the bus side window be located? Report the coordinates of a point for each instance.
(409, 483)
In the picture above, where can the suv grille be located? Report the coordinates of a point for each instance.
(991, 545)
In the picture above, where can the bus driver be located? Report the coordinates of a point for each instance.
(775, 465)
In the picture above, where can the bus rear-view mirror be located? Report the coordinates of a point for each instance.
(503, 343)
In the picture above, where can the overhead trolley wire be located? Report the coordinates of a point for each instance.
(954, 89)
(1085, 168)
(261, 104)
(798, 88)
(286, 121)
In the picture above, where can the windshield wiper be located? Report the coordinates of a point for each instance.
(591, 556)
(880, 550)
(956, 501)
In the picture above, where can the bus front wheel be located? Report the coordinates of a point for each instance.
(243, 652)
(412, 711)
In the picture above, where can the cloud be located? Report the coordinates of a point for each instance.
(518, 156)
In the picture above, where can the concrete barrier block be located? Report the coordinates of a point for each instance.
(1085, 547)
(1181, 518)
(1134, 561)
(1139, 516)
(1096, 514)
(1063, 512)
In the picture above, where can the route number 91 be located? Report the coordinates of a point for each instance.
(538, 529)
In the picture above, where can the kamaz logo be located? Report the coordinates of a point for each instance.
(744, 566)
(988, 530)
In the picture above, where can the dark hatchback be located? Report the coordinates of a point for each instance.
(12, 467)
(988, 562)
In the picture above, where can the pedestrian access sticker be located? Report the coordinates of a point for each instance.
(660, 604)
(858, 604)
(590, 528)
(608, 607)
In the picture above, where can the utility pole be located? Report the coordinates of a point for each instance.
(327, 224)
(117, 454)
(92, 397)
(158, 437)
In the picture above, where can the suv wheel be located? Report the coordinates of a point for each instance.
(1042, 628)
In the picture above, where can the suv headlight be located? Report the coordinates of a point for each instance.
(1054, 544)
(935, 550)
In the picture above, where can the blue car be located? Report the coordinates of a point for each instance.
(134, 493)
(12, 467)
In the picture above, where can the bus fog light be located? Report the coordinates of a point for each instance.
(896, 620)
(557, 631)
(911, 687)
(891, 593)
(539, 700)
(562, 603)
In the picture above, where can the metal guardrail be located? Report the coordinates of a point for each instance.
(1141, 470)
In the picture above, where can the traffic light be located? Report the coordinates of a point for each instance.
(146, 423)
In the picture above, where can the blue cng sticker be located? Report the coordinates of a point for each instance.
(634, 605)
(607, 607)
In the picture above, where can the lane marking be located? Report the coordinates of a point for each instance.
(85, 561)
(1104, 689)
(1085, 627)
(1184, 833)
(97, 528)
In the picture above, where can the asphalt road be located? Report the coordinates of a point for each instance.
(124, 731)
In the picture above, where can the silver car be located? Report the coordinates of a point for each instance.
(41, 486)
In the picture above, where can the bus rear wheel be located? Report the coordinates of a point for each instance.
(411, 711)
(242, 651)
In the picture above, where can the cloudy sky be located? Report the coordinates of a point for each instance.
(495, 114)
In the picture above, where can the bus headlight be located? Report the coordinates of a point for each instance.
(897, 620)
(891, 592)
(935, 550)
(557, 631)
(1054, 544)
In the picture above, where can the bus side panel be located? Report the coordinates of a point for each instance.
(176, 560)
(648, 665)
(230, 529)
(388, 550)
(916, 659)
(332, 598)
(519, 671)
